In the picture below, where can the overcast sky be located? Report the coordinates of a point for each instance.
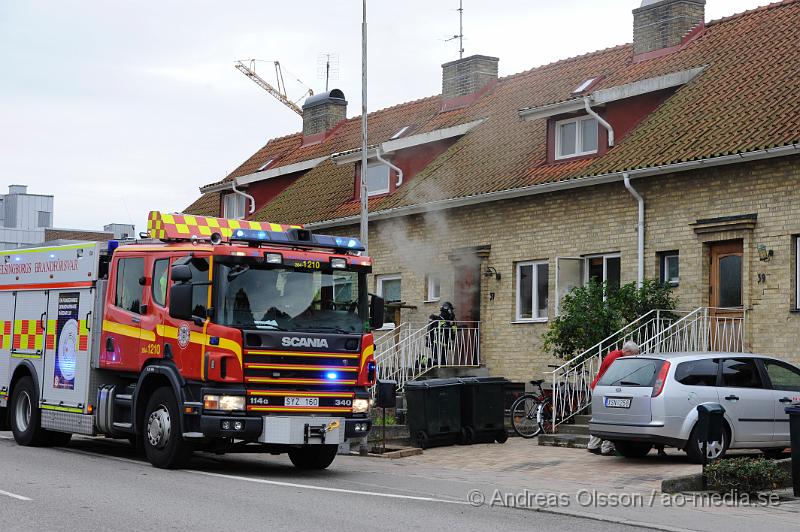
(119, 107)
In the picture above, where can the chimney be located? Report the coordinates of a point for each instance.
(659, 24)
(323, 111)
(467, 76)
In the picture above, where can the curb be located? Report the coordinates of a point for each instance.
(695, 482)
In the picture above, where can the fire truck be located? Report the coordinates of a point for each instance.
(209, 335)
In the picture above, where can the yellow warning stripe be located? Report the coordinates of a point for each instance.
(63, 409)
(25, 355)
(301, 354)
(167, 331)
(43, 250)
(128, 330)
(296, 381)
(298, 367)
(291, 393)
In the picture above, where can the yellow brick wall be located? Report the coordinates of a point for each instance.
(603, 219)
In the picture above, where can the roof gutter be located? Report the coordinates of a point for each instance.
(600, 120)
(640, 228)
(615, 177)
(245, 194)
(379, 156)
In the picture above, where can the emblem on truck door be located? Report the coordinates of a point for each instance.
(288, 341)
(183, 336)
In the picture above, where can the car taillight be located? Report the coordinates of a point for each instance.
(658, 386)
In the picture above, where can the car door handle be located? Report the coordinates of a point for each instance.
(784, 400)
(731, 398)
(136, 320)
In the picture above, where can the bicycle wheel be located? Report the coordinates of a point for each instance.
(523, 416)
(544, 416)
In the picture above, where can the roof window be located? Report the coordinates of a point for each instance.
(263, 166)
(400, 132)
(583, 86)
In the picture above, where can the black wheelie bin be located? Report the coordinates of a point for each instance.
(483, 409)
(434, 412)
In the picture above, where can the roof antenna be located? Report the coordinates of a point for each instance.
(460, 35)
(328, 67)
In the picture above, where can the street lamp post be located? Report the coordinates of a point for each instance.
(364, 192)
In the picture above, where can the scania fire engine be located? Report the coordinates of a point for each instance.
(211, 334)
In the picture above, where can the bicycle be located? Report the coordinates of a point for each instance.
(532, 412)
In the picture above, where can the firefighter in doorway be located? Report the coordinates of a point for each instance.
(441, 336)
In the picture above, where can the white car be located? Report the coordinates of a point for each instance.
(652, 399)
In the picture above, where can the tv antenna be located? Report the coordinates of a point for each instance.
(460, 35)
(328, 67)
(279, 89)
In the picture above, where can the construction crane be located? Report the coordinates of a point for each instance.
(280, 92)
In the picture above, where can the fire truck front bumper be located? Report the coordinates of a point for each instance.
(287, 430)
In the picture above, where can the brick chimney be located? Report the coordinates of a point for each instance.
(661, 24)
(323, 111)
(467, 76)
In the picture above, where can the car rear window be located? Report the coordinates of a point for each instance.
(630, 371)
(698, 372)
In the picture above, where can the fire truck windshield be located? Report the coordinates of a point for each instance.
(277, 297)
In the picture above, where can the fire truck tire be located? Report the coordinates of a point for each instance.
(311, 457)
(25, 416)
(163, 443)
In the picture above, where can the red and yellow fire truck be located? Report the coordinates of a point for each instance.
(213, 334)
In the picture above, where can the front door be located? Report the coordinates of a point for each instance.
(467, 287)
(726, 296)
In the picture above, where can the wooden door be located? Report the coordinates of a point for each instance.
(726, 296)
(467, 288)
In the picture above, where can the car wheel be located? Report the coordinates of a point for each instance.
(163, 441)
(310, 457)
(715, 450)
(25, 415)
(633, 449)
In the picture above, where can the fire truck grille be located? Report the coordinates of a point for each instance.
(292, 368)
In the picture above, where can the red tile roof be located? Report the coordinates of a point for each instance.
(747, 99)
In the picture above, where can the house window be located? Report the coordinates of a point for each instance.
(574, 137)
(434, 288)
(532, 281)
(233, 206)
(389, 288)
(604, 269)
(43, 218)
(669, 268)
(377, 179)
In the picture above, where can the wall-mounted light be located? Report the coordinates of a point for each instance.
(491, 271)
(764, 255)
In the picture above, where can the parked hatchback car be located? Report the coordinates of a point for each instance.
(652, 399)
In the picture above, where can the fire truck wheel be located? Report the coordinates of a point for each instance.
(163, 443)
(25, 416)
(313, 456)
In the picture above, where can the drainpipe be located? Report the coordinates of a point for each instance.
(640, 200)
(379, 156)
(246, 195)
(600, 119)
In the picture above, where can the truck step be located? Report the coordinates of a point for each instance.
(123, 426)
(123, 397)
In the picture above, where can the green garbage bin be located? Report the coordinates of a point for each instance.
(434, 411)
(483, 409)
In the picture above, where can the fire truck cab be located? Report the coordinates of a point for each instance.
(213, 335)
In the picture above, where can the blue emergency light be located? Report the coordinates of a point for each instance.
(331, 375)
(301, 237)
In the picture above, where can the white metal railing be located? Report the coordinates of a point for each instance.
(658, 331)
(571, 381)
(410, 351)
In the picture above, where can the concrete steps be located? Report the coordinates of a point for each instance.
(575, 435)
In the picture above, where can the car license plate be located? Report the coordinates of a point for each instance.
(301, 401)
(618, 402)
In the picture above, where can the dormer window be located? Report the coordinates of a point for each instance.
(576, 137)
(233, 206)
(377, 179)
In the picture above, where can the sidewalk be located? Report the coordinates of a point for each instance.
(574, 482)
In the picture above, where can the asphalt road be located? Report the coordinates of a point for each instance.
(96, 484)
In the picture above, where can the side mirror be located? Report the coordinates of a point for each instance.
(180, 301)
(377, 312)
(181, 273)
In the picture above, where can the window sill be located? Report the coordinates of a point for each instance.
(794, 311)
(524, 322)
(432, 300)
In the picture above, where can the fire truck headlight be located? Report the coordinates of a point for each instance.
(223, 402)
(360, 406)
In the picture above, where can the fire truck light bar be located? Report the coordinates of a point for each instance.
(300, 237)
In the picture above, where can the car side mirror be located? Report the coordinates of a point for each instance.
(181, 273)
(377, 312)
(180, 301)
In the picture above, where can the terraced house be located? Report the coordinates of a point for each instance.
(674, 157)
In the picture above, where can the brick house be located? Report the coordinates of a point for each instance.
(502, 193)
